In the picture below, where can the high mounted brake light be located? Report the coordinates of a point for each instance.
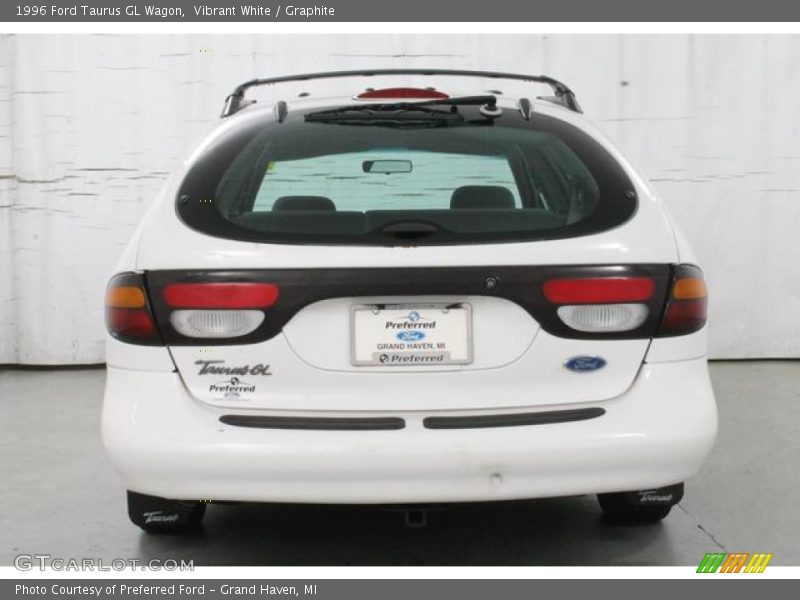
(402, 93)
(128, 316)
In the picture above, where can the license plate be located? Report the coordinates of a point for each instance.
(411, 335)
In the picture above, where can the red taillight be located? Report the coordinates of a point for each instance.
(601, 305)
(599, 290)
(220, 295)
(685, 317)
(687, 307)
(402, 94)
(128, 317)
(125, 322)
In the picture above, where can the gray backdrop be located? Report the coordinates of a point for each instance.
(91, 126)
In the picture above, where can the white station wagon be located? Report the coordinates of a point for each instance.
(411, 294)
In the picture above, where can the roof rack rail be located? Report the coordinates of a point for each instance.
(563, 95)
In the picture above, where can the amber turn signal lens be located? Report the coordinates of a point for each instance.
(127, 296)
(689, 288)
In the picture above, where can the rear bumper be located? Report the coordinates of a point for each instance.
(164, 443)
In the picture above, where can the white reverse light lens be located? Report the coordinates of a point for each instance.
(603, 318)
(216, 323)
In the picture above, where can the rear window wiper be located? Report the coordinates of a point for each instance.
(485, 100)
(384, 113)
(488, 104)
(420, 112)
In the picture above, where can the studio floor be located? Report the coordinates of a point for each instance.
(60, 496)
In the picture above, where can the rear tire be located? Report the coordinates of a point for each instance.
(161, 515)
(643, 507)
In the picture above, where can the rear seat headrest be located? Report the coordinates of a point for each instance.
(482, 196)
(303, 203)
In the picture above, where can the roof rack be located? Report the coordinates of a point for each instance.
(563, 95)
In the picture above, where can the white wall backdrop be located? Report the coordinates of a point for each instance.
(90, 126)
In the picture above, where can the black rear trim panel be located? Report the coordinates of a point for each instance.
(513, 420)
(301, 287)
(315, 423)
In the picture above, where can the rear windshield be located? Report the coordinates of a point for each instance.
(480, 180)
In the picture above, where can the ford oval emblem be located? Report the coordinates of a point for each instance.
(583, 364)
(411, 336)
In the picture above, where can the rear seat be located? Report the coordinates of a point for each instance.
(285, 203)
(473, 209)
(482, 197)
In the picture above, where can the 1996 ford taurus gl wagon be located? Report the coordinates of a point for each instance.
(425, 292)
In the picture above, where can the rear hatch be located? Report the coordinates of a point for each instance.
(407, 259)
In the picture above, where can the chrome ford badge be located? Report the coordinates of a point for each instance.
(583, 364)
